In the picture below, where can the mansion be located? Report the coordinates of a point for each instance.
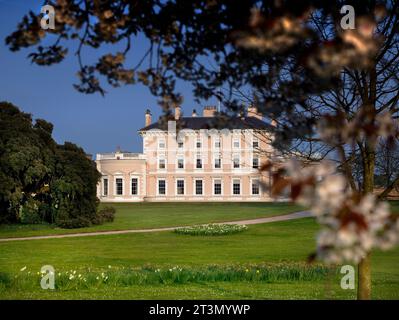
(191, 159)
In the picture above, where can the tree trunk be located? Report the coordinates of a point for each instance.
(364, 279)
(364, 268)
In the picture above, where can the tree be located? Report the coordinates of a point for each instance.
(333, 89)
(41, 181)
(387, 165)
(26, 160)
(73, 187)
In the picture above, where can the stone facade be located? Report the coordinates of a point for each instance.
(190, 160)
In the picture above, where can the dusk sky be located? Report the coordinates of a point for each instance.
(96, 123)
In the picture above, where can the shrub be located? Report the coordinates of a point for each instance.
(29, 212)
(106, 214)
(211, 229)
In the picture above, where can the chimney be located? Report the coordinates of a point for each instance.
(194, 114)
(147, 117)
(209, 111)
(253, 112)
(177, 113)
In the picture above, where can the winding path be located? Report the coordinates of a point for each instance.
(290, 216)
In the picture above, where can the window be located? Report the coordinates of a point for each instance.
(236, 143)
(255, 163)
(162, 164)
(217, 187)
(236, 187)
(255, 143)
(180, 144)
(218, 162)
(198, 164)
(255, 187)
(198, 144)
(135, 184)
(180, 163)
(119, 186)
(180, 187)
(161, 187)
(105, 187)
(161, 144)
(198, 187)
(236, 162)
(217, 143)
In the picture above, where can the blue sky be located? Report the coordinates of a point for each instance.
(96, 123)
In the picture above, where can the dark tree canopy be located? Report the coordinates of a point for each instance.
(41, 181)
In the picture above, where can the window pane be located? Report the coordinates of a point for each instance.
(236, 187)
(255, 187)
(105, 187)
(236, 162)
(199, 163)
(161, 187)
(119, 186)
(180, 187)
(161, 163)
(134, 186)
(218, 163)
(180, 163)
(255, 163)
(217, 187)
(198, 187)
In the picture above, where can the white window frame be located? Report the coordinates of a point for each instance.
(177, 162)
(198, 139)
(221, 187)
(184, 187)
(236, 155)
(260, 191)
(102, 186)
(166, 187)
(217, 140)
(159, 162)
(232, 187)
(252, 162)
(116, 187)
(138, 186)
(202, 161)
(236, 139)
(159, 143)
(195, 187)
(255, 139)
(217, 156)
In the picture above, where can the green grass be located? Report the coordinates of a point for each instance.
(394, 206)
(287, 242)
(155, 215)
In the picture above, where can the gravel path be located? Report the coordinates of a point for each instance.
(291, 216)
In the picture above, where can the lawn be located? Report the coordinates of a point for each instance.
(287, 242)
(155, 215)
